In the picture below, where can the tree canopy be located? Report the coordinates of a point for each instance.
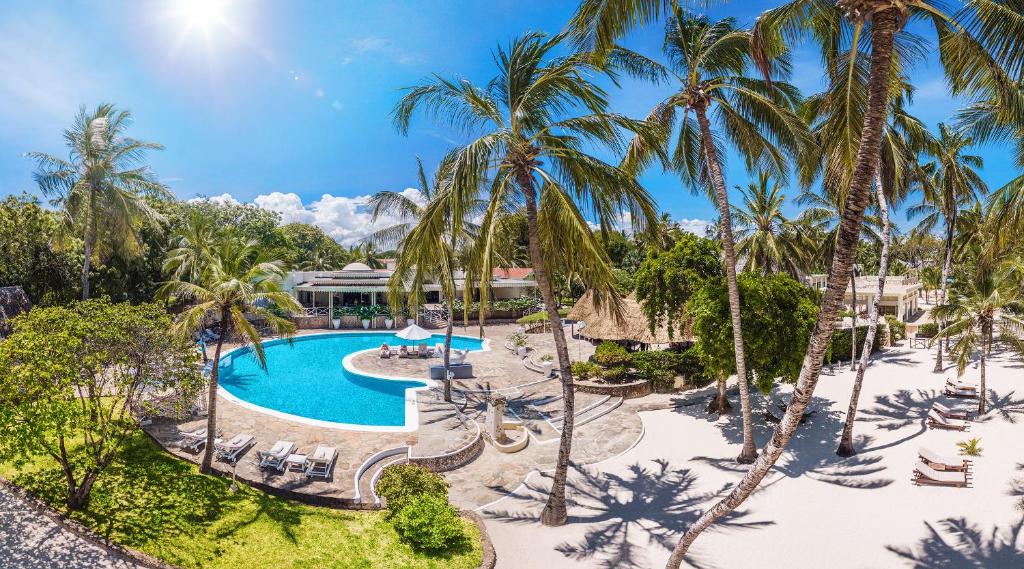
(666, 280)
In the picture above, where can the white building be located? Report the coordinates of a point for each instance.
(899, 298)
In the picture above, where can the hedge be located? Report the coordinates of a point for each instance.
(840, 348)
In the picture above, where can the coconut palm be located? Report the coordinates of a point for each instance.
(367, 254)
(404, 207)
(953, 185)
(102, 185)
(767, 241)
(531, 125)
(976, 46)
(971, 314)
(191, 245)
(235, 280)
(931, 280)
(707, 65)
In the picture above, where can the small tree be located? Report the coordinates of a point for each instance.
(71, 380)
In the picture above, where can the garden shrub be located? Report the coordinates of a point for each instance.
(610, 354)
(614, 374)
(400, 483)
(428, 522)
(840, 347)
(585, 370)
(691, 365)
(928, 329)
(657, 366)
(897, 328)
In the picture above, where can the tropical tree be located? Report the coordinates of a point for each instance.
(708, 65)
(931, 280)
(532, 124)
(970, 314)
(977, 46)
(953, 185)
(233, 279)
(101, 187)
(406, 208)
(767, 241)
(367, 254)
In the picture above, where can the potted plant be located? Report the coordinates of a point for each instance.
(336, 318)
(365, 314)
(389, 320)
(519, 341)
(547, 363)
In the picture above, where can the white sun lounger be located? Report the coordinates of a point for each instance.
(274, 458)
(926, 475)
(942, 462)
(321, 461)
(961, 390)
(949, 413)
(937, 420)
(230, 451)
(193, 441)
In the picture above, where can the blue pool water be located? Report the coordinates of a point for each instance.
(306, 378)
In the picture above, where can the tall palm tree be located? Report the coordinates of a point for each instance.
(708, 64)
(235, 280)
(931, 279)
(191, 246)
(971, 313)
(953, 185)
(102, 185)
(767, 241)
(405, 208)
(976, 46)
(531, 125)
(366, 253)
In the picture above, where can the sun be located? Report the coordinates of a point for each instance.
(201, 13)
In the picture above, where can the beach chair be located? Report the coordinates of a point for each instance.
(949, 413)
(961, 390)
(319, 463)
(935, 420)
(193, 441)
(403, 352)
(231, 450)
(385, 351)
(942, 462)
(423, 351)
(274, 458)
(925, 475)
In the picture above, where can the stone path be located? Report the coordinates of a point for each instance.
(29, 540)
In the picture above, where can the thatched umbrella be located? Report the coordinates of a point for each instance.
(13, 301)
(602, 324)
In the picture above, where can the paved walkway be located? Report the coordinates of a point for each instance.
(29, 540)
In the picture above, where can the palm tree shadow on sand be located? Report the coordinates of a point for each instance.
(626, 515)
(955, 543)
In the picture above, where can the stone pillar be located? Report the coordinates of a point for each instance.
(495, 418)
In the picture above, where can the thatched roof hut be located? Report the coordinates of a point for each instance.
(13, 301)
(602, 324)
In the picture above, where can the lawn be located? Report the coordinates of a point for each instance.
(159, 504)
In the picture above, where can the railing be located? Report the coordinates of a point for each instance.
(314, 311)
(435, 318)
(1013, 325)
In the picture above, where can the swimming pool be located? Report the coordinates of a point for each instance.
(306, 381)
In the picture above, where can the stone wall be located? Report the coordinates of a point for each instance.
(311, 322)
(631, 390)
(453, 460)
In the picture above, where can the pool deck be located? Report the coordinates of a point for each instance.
(487, 478)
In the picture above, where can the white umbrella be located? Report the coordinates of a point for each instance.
(414, 332)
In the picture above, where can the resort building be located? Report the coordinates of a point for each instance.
(899, 298)
(356, 285)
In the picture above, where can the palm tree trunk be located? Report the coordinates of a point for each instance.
(947, 266)
(981, 384)
(846, 447)
(211, 405)
(883, 29)
(749, 452)
(554, 512)
(89, 245)
(853, 321)
(719, 403)
(447, 353)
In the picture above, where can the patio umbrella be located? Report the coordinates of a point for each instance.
(414, 332)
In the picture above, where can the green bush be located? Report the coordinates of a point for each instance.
(691, 366)
(610, 354)
(928, 330)
(429, 523)
(897, 328)
(541, 316)
(614, 374)
(657, 366)
(840, 349)
(585, 370)
(400, 483)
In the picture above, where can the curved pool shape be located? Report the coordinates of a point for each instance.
(306, 381)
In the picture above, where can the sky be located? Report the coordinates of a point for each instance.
(287, 104)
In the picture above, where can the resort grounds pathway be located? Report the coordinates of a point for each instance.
(30, 540)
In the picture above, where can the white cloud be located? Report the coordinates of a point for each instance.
(222, 199)
(345, 60)
(695, 226)
(383, 46)
(346, 219)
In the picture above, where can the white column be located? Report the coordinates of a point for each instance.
(330, 308)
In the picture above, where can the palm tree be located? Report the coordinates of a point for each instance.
(768, 241)
(970, 313)
(365, 253)
(531, 124)
(975, 45)
(405, 208)
(234, 281)
(191, 246)
(931, 279)
(953, 185)
(708, 63)
(102, 185)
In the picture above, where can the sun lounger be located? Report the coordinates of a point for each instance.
(960, 390)
(928, 476)
(274, 458)
(961, 384)
(231, 450)
(942, 462)
(320, 462)
(193, 441)
(935, 420)
(949, 413)
(424, 351)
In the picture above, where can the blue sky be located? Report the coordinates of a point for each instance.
(287, 103)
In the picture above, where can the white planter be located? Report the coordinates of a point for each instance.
(547, 367)
(389, 323)
(521, 350)
(410, 321)
(336, 323)
(366, 323)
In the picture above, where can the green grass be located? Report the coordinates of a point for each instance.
(159, 504)
(541, 316)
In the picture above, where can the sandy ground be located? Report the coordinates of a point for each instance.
(860, 512)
